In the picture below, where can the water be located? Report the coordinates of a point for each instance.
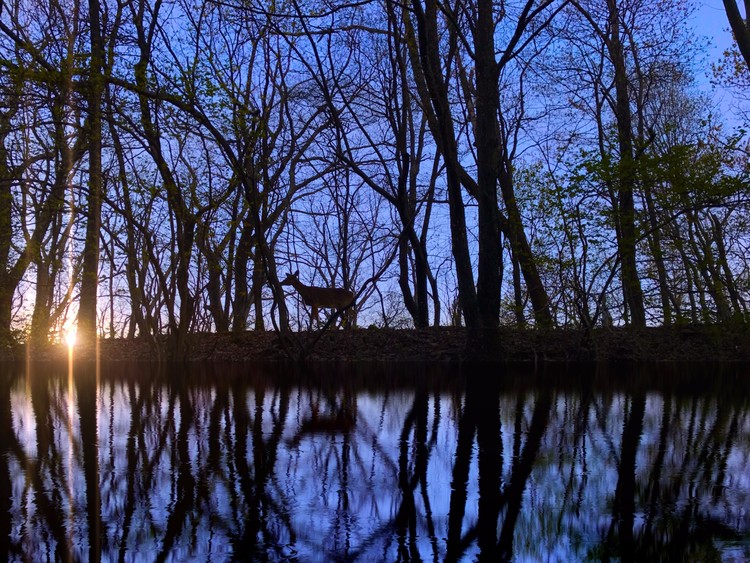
(137, 463)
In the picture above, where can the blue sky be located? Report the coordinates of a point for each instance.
(710, 21)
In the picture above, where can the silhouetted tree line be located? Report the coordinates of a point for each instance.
(544, 162)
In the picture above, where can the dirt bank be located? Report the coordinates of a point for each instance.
(444, 344)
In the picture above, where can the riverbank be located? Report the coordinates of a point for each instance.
(713, 343)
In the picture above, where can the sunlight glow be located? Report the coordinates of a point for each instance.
(70, 337)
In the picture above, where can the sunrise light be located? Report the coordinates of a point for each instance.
(70, 337)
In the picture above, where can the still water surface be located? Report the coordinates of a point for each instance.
(221, 463)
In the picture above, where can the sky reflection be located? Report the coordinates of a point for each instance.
(358, 465)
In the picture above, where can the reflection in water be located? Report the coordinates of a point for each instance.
(356, 465)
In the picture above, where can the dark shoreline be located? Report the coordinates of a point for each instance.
(706, 343)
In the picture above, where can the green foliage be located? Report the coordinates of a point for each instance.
(695, 176)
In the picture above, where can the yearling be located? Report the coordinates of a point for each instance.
(320, 297)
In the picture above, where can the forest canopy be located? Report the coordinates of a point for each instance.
(539, 163)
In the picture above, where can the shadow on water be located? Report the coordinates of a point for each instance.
(373, 463)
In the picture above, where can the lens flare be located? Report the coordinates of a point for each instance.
(70, 337)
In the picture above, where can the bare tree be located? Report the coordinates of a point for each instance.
(42, 171)
(472, 29)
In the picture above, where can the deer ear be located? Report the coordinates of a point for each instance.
(296, 274)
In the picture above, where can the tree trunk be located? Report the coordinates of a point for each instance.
(41, 315)
(626, 174)
(522, 251)
(7, 288)
(214, 285)
(184, 220)
(47, 267)
(740, 27)
(709, 270)
(241, 288)
(410, 245)
(403, 279)
(135, 262)
(90, 274)
(257, 290)
(724, 271)
(517, 292)
(427, 68)
(656, 242)
(487, 136)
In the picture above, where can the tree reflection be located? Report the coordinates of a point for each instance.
(620, 534)
(269, 466)
(413, 475)
(521, 470)
(6, 486)
(87, 388)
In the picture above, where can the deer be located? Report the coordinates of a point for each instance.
(319, 297)
(339, 419)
